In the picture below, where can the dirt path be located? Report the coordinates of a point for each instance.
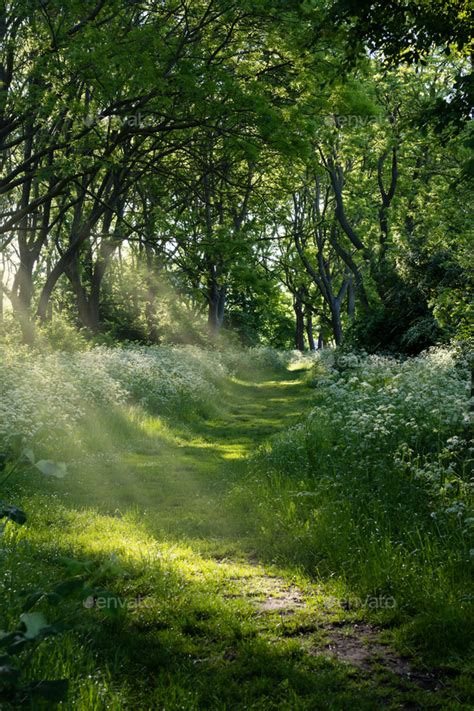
(281, 608)
(357, 644)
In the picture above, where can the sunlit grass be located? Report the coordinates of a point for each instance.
(167, 508)
(198, 630)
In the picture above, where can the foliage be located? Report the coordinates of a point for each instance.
(174, 194)
(46, 393)
(62, 335)
(261, 358)
(32, 628)
(19, 646)
(406, 31)
(375, 484)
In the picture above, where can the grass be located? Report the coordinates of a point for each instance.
(219, 614)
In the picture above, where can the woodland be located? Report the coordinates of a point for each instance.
(236, 354)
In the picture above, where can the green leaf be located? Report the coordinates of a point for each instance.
(50, 468)
(15, 444)
(34, 623)
(6, 638)
(76, 567)
(104, 601)
(32, 599)
(68, 587)
(12, 513)
(13, 642)
(29, 455)
(8, 672)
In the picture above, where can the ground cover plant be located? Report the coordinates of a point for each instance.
(377, 481)
(45, 394)
(166, 514)
(236, 354)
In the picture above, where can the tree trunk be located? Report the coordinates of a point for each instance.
(23, 286)
(44, 300)
(216, 299)
(336, 324)
(299, 327)
(107, 248)
(21, 297)
(309, 331)
(22, 291)
(88, 312)
(63, 265)
(351, 301)
(216, 311)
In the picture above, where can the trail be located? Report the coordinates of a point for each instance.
(240, 632)
(179, 474)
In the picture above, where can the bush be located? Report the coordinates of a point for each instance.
(60, 335)
(373, 486)
(45, 394)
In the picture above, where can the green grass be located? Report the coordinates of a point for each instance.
(188, 529)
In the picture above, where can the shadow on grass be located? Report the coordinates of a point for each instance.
(177, 473)
(190, 640)
(196, 643)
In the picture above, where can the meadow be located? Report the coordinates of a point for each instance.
(235, 529)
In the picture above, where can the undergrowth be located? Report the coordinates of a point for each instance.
(375, 487)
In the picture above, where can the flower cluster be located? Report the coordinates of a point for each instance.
(164, 378)
(377, 403)
(44, 394)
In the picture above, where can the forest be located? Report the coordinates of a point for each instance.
(236, 354)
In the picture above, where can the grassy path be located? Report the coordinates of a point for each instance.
(178, 475)
(208, 624)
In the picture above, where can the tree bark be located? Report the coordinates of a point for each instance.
(351, 302)
(386, 197)
(67, 258)
(216, 311)
(336, 324)
(309, 331)
(299, 326)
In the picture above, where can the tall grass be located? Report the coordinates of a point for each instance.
(45, 393)
(373, 487)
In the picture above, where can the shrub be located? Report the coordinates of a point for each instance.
(260, 358)
(373, 486)
(45, 394)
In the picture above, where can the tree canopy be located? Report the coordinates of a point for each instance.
(290, 171)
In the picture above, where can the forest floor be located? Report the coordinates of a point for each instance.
(204, 620)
